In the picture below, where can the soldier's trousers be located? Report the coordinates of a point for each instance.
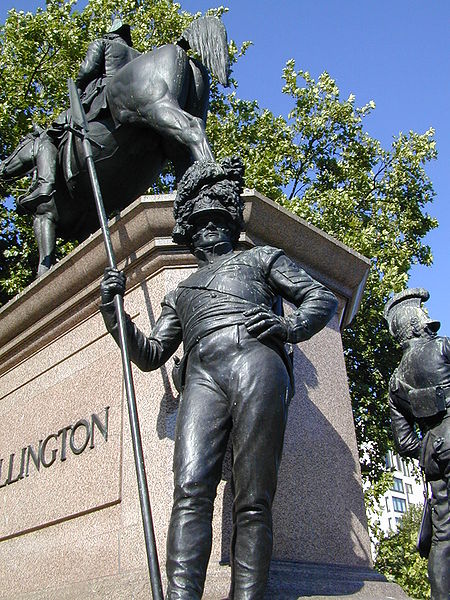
(235, 386)
(439, 559)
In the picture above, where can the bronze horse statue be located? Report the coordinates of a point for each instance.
(157, 113)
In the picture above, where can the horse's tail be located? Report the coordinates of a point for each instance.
(208, 37)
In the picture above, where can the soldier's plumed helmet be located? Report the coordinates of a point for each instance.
(211, 188)
(122, 29)
(404, 311)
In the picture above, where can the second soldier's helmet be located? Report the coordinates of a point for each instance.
(405, 315)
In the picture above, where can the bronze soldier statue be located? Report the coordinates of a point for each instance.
(235, 375)
(419, 394)
(104, 58)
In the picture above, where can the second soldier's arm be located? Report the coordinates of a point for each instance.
(406, 439)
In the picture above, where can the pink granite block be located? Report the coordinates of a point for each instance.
(78, 457)
(75, 550)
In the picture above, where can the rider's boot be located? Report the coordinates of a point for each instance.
(43, 188)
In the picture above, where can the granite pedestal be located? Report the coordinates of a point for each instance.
(70, 524)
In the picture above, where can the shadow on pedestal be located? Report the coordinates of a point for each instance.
(294, 581)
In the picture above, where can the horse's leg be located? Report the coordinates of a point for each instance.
(173, 123)
(181, 165)
(44, 226)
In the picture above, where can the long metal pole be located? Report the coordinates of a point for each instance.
(147, 520)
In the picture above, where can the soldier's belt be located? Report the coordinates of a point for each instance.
(429, 402)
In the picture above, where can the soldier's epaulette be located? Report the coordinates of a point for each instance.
(269, 250)
(268, 254)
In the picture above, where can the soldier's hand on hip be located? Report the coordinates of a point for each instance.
(113, 283)
(263, 323)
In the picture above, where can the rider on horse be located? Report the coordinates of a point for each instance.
(157, 104)
(104, 58)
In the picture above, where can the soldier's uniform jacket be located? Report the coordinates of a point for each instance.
(420, 392)
(216, 296)
(104, 58)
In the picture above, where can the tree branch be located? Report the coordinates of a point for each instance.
(36, 70)
(301, 167)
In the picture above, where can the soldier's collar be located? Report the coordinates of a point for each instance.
(415, 341)
(220, 249)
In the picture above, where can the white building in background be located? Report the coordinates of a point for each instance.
(406, 490)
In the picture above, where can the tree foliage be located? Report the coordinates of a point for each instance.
(398, 559)
(318, 161)
(375, 505)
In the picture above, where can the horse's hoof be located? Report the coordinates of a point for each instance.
(21, 211)
(42, 270)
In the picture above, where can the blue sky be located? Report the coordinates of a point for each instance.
(395, 53)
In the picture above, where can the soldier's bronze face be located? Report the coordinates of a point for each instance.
(211, 229)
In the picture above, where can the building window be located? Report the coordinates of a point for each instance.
(387, 504)
(398, 485)
(399, 504)
(408, 489)
(388, 460)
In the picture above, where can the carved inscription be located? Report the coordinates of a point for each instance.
(71, 439)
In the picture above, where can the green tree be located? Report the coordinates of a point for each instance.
(374, 503)
(398, 559)
(318, 161)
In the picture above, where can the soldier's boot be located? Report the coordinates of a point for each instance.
(4, 175)
(17, 162)
(43, 188)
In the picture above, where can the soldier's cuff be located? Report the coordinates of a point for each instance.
(109, 315)
(298, 331)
